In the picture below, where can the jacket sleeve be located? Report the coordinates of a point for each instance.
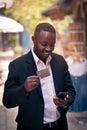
(14, 93)
(69, 88)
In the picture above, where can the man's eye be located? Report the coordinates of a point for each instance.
(43, 43)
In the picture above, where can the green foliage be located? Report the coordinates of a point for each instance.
(62, 24)
(12, 40)
(28, 13)
(18, 49)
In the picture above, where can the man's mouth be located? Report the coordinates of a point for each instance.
(46, 54)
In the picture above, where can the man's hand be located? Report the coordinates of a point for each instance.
(61, 102)
(31, 83)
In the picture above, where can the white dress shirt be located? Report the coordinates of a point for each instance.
(48, 90)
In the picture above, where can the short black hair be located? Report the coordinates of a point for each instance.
(44, 27)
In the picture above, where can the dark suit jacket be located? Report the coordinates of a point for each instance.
(31, 105)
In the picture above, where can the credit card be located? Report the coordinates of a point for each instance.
(43, 73)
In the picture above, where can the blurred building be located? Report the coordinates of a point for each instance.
(78, 29)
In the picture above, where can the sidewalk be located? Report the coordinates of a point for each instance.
(7, 116)
(76, 121)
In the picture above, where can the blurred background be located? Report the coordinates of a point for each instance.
(18, 18)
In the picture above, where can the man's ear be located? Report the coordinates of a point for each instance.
(33, 38)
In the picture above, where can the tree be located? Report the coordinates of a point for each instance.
(28, 12)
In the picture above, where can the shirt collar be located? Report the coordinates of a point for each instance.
(38, 60)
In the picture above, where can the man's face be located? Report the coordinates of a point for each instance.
(44, 44)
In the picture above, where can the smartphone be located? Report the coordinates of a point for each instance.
(62, 95)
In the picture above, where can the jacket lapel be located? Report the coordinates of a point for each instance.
(31, 66)
(54, 69)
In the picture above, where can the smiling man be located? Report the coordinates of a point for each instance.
(34, 81)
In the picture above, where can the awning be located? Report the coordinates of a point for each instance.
(59, 9)
(8, 25)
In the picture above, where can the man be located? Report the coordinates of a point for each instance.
(34, 81)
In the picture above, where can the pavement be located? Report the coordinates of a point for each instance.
(76, 120)
(7, 116)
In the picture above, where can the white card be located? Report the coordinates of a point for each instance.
(43, 73)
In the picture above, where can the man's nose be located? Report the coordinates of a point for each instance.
(48, 48)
